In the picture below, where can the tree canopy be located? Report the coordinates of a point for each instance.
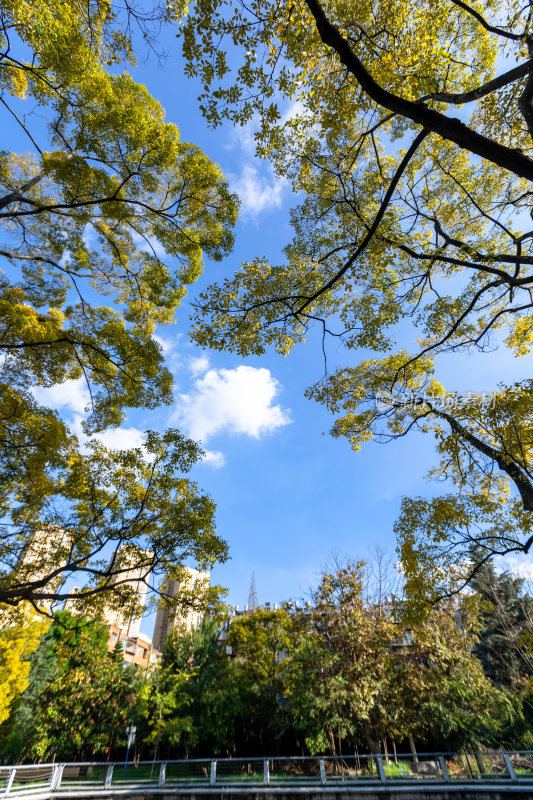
(104, 223)
(341, 674)
(412, 237)
(79, 696)
(361, 675)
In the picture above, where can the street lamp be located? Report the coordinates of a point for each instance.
(131, 730)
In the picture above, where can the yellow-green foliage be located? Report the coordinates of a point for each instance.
(103, 225)
(19, 637)
(405, 245)
(115, 204)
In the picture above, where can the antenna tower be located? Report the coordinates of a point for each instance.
(252, 597)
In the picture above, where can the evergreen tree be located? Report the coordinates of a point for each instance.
(506, 620)
(79, 695)
(220, 698)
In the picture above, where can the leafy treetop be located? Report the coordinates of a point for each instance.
(412, 237)
(104, 224)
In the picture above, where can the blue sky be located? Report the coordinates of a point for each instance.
(287, 494)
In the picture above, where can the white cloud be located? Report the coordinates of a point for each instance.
(214, 458)
(120, 438)
(150, 245)
(258, 187)
(258, 190)
(90, 237)
(232, 400)
(522, 566)
(244, 137)
(294, 110)
(170, 350)
(198, 365)
(164, 344)
(71, 395)
(113, 438)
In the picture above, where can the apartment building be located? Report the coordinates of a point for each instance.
(43, 550)
(137, 650)
(190, 585)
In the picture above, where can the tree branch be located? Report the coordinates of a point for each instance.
(521, 481)
(448, 128)
(375, 224)
(515, 37)
(491, 86)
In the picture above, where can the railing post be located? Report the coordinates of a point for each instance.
(59, 776)
(510, 769)
(322, 772)
(109, 776)
(52, 778)
(213, 774)
(266, 772)
(9, 782)
(381, 771)
(444, 769)
(162, 773)
(55, 777)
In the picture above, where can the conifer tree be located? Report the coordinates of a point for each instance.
(506, 622)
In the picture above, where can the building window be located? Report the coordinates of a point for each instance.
(140, 651)
(113, 639)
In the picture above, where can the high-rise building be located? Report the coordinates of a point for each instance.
(135, 579)
(137, 650)
(191, 583)
(44, 550)
(123, 624)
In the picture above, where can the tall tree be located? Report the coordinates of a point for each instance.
(504, 646)
(409, 215)
(219, 699)
(87, 701)
(262, 644)
(342, 669)
(74, 633)
(438, 692)
(361, 675)
(108, 204)
(162, 707)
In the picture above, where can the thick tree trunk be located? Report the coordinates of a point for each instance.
(373, 744)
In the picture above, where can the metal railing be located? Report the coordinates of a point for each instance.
(426, 771)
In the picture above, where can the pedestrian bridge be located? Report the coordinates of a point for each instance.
(441, 775)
